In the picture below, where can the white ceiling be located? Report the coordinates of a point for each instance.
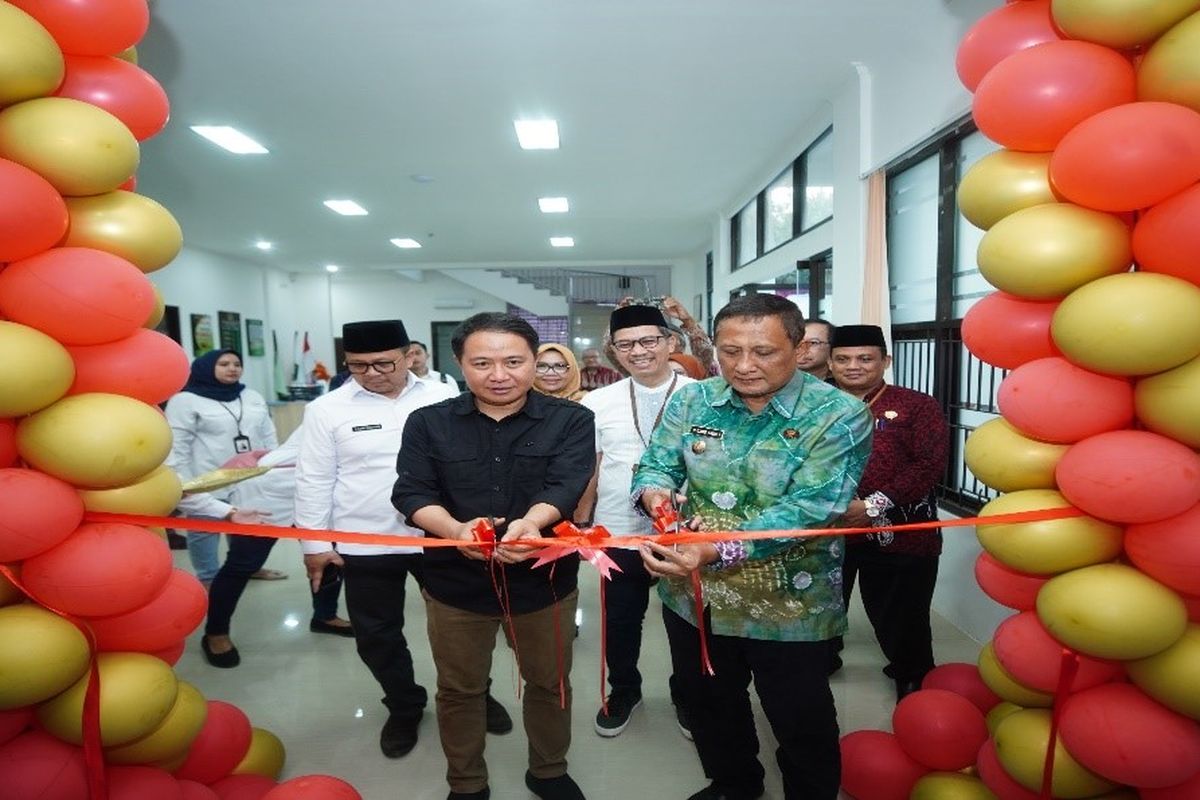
(667, 110)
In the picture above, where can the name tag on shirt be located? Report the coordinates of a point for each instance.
(359, 428)
(712, 433)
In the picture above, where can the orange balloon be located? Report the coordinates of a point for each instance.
(146, 366)
(1006, 331)
(88, 27)
(1033, 657)
(1166, 238)
(1053, 400)
(40, 512)
(220, 746)
(1168, 550)
(1007, 586)
(1030, 100)
(122, 89)
(33, 216)
(1001, 33)
(159, 624)
(1129, 157)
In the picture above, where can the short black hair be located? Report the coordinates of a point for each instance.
(829, 326)
(415, 343)
(493, 321)
(757, 306)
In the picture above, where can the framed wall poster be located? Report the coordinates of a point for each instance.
(202, 334)
(255, 345)
(229, 325)
(169, 324)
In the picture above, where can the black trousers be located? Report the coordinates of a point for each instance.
(626, 598)
(791, 681)
(897, 591)
(375, 603)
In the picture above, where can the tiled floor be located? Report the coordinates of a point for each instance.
(314, 693)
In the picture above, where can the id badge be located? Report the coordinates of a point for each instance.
(241, 444)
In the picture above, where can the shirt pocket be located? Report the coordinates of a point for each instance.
(459, 468)
(531, 462)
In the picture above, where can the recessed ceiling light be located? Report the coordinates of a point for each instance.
(229, 138)
(347, 208)
(331, 268)
(263, 244)
(406, 243)
(537, 134)
(421, 178)
(562, 241)
(554, 205)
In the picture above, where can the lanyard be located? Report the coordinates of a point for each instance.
(237, 420)
(633, 405)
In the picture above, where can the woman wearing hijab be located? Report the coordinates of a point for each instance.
(557, 373)
(684, 364)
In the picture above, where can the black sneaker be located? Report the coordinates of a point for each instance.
(399, 736)
(561, 787)
(685, 724)
(620, 706)
(498, 720)
(482, 794)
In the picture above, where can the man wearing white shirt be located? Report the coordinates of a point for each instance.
(344, 477)
(626, 414)
(418, 364)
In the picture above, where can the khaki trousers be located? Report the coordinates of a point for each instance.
(462, 643)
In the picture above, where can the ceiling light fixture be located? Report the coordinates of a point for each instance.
(562, 241)
(331, 268)
(264, 245)
(406, 243)
(537, 134)
(347, 208)
(554, 205)
(229, 138)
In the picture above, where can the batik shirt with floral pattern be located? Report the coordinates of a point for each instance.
(794, 465)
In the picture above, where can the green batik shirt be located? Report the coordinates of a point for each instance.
(792, 466)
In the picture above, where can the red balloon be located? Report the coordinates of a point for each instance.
(90, 27)
(1053, 400)
(243, 787)
(1193, 606)
(1130, 476)
(1001, 33)
(146, 366)
(122, 89)
(939, 729)
(38, 766)
(1030, 100)
(219, 747)
(13, 722)
(197, 791)
(1129, 157)
(77, 295)
(103, 568)
(40, 512)
(33, 216)
(1119, 733)
(158, 624)
(313, 787)
(130, 185)
(1033, 657)
(1168, 550)
(1007, 586)
(1167, 238)
(171, 654)
(962, 679)
(141, 783)
(1188, 790)
(1007, 331)
(874, 767)
(1003, 785)
(8, 442)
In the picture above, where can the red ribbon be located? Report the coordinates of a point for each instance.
(666, 522)
(1068, 667)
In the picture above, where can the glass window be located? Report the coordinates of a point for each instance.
(777, 226)
(969, 286)
(747, 230)
(818, 184)
(823, 308)
(912, 236)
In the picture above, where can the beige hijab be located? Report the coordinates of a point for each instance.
(570, 390)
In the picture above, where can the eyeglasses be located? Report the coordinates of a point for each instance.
(561, 369)
(647, 343)
(815, 342)
(382, 367)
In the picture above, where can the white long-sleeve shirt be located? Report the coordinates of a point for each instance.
(347, 464)
(433, 376)
(203, 431)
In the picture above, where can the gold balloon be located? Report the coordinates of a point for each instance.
(40, 655)
(1120, 24)
(129, 54)
(155, 495)
(1139, 323)
(172, 737)
(95, 441)
(1007, 461)
(1170, 677)
(160, 309)
(31, 65)
(1046, 251)
(9, 594)
(265, 756)
(126, 224)
(1002, 183)
(137, 691)
(79, 148)
(1002, 683)
(1111, 611)
(1166, 403)
(950, 786)
(35, 370)
(1170, 70)
(1000, 712)
(1021, 743)
(1051, 546)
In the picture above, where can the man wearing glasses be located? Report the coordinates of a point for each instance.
(627, 412)
(815, 360)
(344, 477)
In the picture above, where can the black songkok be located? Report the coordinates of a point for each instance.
(374, 336)
(635, 316)
(858, 336)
